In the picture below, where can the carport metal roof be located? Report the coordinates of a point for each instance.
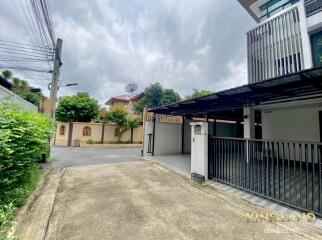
(306, 84)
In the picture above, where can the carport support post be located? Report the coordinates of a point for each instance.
(249, 123)
(153, 134)
(249, 127)
(182, 135)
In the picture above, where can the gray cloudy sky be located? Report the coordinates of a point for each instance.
(183, 44)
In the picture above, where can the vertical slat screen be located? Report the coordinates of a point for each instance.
(275, 47)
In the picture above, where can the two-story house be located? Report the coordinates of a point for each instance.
(125, 102)
(264, 137)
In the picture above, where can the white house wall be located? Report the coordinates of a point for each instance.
(296, 124)
(7, 95)
(167, 138)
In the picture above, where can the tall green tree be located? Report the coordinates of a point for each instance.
(78, 108)
(7, 74)
(133, 123)
(155, 96)
(24, 90)
(198, 93)
(118, 116)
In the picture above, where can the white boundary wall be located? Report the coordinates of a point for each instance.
(6, 94)
(167, 138)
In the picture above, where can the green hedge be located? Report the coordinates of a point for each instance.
(24, 141)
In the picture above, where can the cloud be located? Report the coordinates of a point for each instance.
(182, 44)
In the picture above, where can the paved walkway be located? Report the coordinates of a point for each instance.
(177, 161)
(142, 200)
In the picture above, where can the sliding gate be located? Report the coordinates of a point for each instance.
(283, 171)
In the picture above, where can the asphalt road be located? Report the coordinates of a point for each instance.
(69, 157)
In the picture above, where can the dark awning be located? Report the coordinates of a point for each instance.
(306, 84)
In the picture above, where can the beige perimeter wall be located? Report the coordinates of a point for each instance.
(96, 133)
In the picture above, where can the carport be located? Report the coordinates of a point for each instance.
(275, 148)
(167, 140)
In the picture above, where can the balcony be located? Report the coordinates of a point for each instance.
(312, 7)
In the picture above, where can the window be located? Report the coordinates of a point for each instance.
(62, 130)
(273, 7)
(316, 43)
(87, 131)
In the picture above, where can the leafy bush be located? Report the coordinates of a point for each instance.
(24, 140)
(90, 141)
(6, 214)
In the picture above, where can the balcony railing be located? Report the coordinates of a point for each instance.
(312, 7)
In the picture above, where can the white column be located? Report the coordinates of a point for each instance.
(305, 37)
(249, 122)
(199, 149)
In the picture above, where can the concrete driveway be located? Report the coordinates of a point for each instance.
(141, 200)
(69, 157)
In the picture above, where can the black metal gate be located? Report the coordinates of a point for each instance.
(283, 171)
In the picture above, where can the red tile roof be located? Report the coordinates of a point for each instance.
(124, 98)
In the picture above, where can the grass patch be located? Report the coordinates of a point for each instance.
(91, 141)
(16, 197)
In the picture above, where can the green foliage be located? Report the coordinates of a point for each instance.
(24, 139)
(7, 212)
(90, 141)
(155, 96)
(198, 93)
(77, 108)
(7, 74)
(23, 89)
(15, 198)
(133, 123)
(123, 142)
(102, 115)
(119, 117)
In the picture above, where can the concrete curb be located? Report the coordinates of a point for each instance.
(38, 208)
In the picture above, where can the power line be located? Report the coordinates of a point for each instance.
(27, 45)
(24, 68)
(30, 60)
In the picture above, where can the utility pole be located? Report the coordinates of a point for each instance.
(55, 77)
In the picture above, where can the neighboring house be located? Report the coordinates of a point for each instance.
(125, 102)
(7, 95)
(264, 137)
